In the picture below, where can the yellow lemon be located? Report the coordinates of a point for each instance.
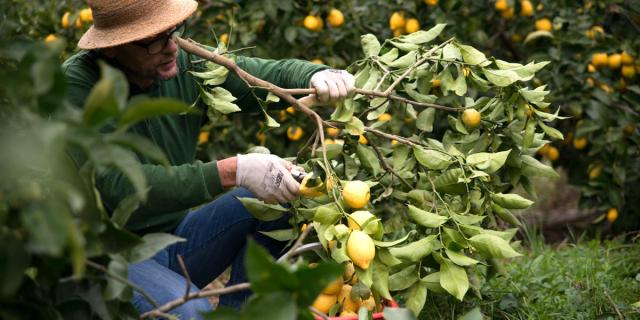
(370, 303)
(224, 38)
(394, 142)
(313, 23)
(435, 83)
(344, 297)
(612, 214)
(362, 217)
(553, 153)
(397, 21)
(516, 37)
(544, 24)
(86, 15)
(50, 38)
(580, 143)
(544, 149)
(606, 88)
(384, 117)
(203, 137)
(595, 31)
(356, 194)
(526, 8)
(431, 3)
(334, 287)
(614, 61)
(78, 23)
(262, 138)
(628, 71)
(591, 68)
(317, 61)
(360, 249)
(291, 110)
(311, 186)
(335, 18)
(324, 302)
(362, 139)
(509, 14)
(590, 82)
(329, 141)
(294, 133)
(595, 172)
(65, 20)
(471, 118)
(599, 60)
(412, 25)
(501, 5)
(333, 132)
(626, 58)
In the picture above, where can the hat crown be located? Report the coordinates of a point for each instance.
(114, 13)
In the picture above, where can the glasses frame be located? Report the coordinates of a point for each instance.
(158, 44)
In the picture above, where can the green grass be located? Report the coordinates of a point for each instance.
(588, 279)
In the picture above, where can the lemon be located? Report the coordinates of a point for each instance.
(294, 133)
(590, 82)
(344, 297)
(384, 117)
(203, 137)
(359, 218)
(362, 139)
(333, 132)
(311, 191)
(361, 249)
(599, 60)
(317, 61)
(86, 15)
(626, 58)
(606, 88)
(356, 194)
(628, 71)
(291, 110)
(333, 288)
(471, 118)
(526, 8)
(412, 25)
(65, 20)
(435, 83)
(614, 61)
(397, 21)
(544, 149)
(335, 18)
(591, 68)
(544, 24)
(580, 143)
(431, 3)
(262, 138)
(595, 172)
(595, 31)
(553, 153)
(350, 273)
(50, 38)
(78, 23)
(370, 303)
(509, 14)
(347, 314)
(612, 214)
(516, 37)
(394, 142)
(313, 23)
(501, 5)
(324, 302)
(224, 38)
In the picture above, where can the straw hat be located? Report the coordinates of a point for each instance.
(118, 22)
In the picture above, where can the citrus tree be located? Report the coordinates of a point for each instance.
(410, 203)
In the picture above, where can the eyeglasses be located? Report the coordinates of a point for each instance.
(155, 46)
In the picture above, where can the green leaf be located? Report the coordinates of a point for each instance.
(390, 56)
(261, 210)
(459, 87)
(386, 244)
(380, 104)
(116, 240)
(140, 145)
(404, 278)
(398, 314)
(505, 214)
(473, 56)
(125, 208)
(368, 159)
(280, 306)
(265, 275)
(426, 219)
(417, 296)
(449, 182)
(381, 274)
(14, 259)
(460, 258)
(488, 162)
(501, 78)
(344, 111)
(125, 161)
(370, 45)
(327, 215)
(313, 280)
(143, 108)
(46, 227)
(453, 279)
(425, 119)
(467, 219)
(531, 167)
(416, 250)
(529, 134)
(107, 97)
(451, 52)
(511, 201)
(119, 266)
(432, 282)
(551, 132)
(151, 244)
(492, 246)
(214, 75)
(355, 126)
(432, 159)
(421, 37)
(387, 258)
(220, 99)
(474, 314)
(280, 235)
(405, 61)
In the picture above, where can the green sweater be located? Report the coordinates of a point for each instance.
(187, 182)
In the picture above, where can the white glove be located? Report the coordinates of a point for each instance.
(267, 176)
(332, 84)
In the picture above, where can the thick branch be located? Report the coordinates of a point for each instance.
(387, 167)
(297, 244)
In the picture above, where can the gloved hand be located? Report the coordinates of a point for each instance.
(267, 176)
(332, 84)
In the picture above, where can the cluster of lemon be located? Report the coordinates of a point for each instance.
(400, 25)
(83, 16)
(623, 61)
(509, 12)
(314, 23)
(339, 292)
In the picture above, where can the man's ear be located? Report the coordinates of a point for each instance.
(109, 52)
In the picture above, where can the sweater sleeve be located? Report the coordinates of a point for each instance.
(286, 73)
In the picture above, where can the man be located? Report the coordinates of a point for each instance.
(135, 36)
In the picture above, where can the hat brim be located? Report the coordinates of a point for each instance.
(173, 14)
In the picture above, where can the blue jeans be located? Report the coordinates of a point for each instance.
(216, 236)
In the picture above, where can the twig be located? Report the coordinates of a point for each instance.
(297, 244)
(195, 295)
(613, 304)
(306, 247)
(307, 144)
(186, 275)
(394, 137)
(387, 167)
(123, 280)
